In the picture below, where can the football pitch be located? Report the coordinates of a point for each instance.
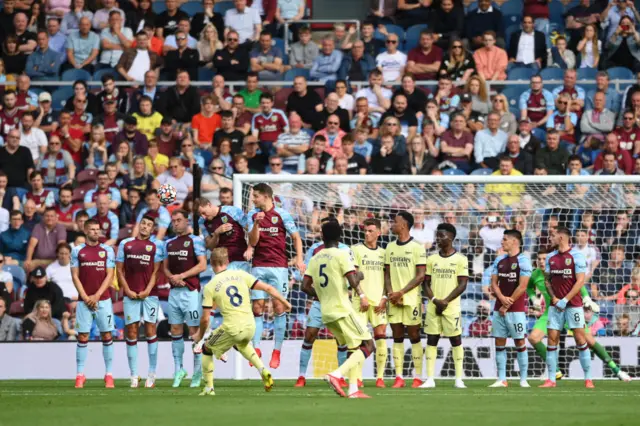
(245, 403)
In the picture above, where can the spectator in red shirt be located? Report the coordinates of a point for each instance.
(612, 145)
(457, 144)
(268, 123)
(65, 209)
(629, 133)
(481, 326)
(206, 122)
(424, 60)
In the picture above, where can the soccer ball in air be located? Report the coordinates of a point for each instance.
(167, 194)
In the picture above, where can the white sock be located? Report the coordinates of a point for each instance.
(336, 374)
(353, 388)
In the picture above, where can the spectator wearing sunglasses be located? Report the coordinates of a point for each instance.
(392, 62)
(183, 58)
(232, 62)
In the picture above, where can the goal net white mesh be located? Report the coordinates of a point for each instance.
(602, 214)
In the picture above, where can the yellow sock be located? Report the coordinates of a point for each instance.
(207, 370)
(354, 374)
(250, 355)
(458, 360)
(350, 363)
(431, 352)
(398, 357)
(417, 352)
(381, 357)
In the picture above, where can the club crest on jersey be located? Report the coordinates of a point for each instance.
(633, 136)
(101, 254)
(148, 248)
(567, 262)
(514, 266)
(224, 219)
(542, 102)
(274, 118)
(105, 225)
(186, 243)
(274, 219)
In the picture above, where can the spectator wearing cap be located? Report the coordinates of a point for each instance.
(47, 119)
(475, 120)
(44, 63)
(528, 141)
(232, 61)
(148, 119)
(111, 119)
(135, 63)
(45, 237)
(83, 47)
(14, 241)
(111, 92)
(114, 39)
(168, 138)
(131, 134)
(257, 161)
(57, 166)
(39, 288)
(182, 101)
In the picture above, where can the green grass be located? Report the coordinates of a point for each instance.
(51, 403)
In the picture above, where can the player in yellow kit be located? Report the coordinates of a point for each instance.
(405, 261)
(229, 291)
(369, 259)
(446, 279)
(325, 279)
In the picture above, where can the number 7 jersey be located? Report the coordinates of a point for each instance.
(328, 270)
(229, 292)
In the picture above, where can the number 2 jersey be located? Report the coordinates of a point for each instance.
(139, 258)
(444, 272)
(509, 269)
(229, 291)
(563, 269)
(402, 259)
(182, 254)
(327, 271)
(271, 250)
(92, 263)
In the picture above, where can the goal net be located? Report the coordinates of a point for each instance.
(600, 211)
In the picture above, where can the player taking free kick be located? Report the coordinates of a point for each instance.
(228, 290)
(137, 264)
(564, 271)
(325, 280)
(268, 227)
(445, 280)
(185, 259)
(404, 261)
(509, 278)
(92, 266)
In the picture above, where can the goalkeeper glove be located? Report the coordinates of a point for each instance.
(562, 303)
(589, 303)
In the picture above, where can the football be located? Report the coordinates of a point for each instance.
(167, 194)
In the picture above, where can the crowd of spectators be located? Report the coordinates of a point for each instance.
(343, 102)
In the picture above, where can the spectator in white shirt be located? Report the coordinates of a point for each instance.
(114, 40)
(391, 62)
(33, 138)
(245, 20)
(379, 97)
(60, 272)
(491, 234)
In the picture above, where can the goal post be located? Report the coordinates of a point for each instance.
(601, 211)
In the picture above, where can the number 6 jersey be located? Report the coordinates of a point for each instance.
(229, 292)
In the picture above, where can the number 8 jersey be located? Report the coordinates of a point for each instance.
(229, 292)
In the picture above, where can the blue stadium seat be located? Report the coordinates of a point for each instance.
(74, 74)
(620, 73)
(587, 73)
(158, 6)
(556, 12)
(521, 73)
(59, 97)
(192, 7)
(453, 172)
(279, 43)
(412, 37)
(513, 96)
(295, 72)
(510, 29)
(205, 74)
(395, 29)
(18, 274)
(511, 20)
(21, 192)
(206, 155)
(481, 172)
(552, 74)
(473, 6)
(512, 7)
(221, 7)
(97, 76)
(539, 133)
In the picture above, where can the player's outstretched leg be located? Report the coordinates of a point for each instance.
(602, 353)
(208, 366)
(152, 349)
(250, 355)
(381, 359)
(107, 354)
(353, 362)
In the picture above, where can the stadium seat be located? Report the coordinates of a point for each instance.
(87, 175)
(97, 76)
(59, 97)
(125, 232)
(18, 274)
(552, 74)
(17, 308)
(395, 29)
(556, 12)
(510, 29)
(512, 7)
(221, 7)
(539, 133)
(21, 192)
(620, 73)
(192, 7)
(280, 98)
(588, 73)
(78, 195)
(511, 20)
(412, 37)
(206, 155)
(520, 74)
(206, 74)
(295, 72)
(513, 95)
(481, 172)
(74, 74)
(159, 6)
(279, 43)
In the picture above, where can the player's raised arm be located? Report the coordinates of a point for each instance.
(292, 230)
(253, 220)
(259, 285)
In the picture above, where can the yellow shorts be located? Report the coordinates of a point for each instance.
(222, 340)
(406, 314)
(449, 324)
(371, 317)
(349, 331)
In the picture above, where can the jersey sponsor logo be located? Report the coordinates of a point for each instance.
(567, 271)
(272, 230)
(143, 257)
(105, 225)
(399, 261)
(99, 264)
(179, 253)
(509, 275)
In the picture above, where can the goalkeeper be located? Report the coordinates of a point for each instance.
(540, 328)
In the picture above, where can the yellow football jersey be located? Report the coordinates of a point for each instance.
(402, 259)
(327, 269)
(444, 273)
(230, 292)
(371, 263)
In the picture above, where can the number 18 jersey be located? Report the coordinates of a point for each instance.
(328, 270)
(229, 291)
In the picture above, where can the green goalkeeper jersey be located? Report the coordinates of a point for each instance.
(536, 281)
